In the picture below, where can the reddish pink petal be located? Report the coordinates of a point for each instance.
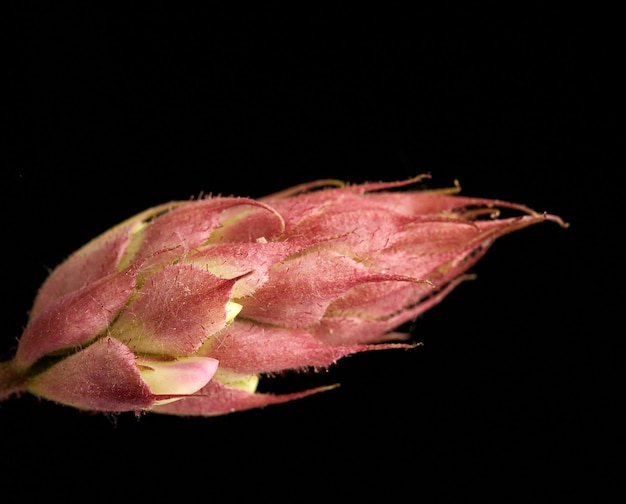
(300, 290)
(191, 224)
(254, 260)
(247, 224)
(102, 377)
(437, 251)
(76, 318)
(97, 259)
(174, 311)
(342, 330)
(297, 210)
(307, 205)
(438, 203)
(378, 300)
(218, 399)
(455, 246)
(357, 228)
(249, 348)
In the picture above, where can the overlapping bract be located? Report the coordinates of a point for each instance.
(181, 308)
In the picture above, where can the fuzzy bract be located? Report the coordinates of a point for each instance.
(182, 308)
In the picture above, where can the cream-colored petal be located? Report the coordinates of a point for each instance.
(182, 376)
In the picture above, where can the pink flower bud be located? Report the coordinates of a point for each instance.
(182, 308)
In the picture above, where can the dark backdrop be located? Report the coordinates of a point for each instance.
(109, 111)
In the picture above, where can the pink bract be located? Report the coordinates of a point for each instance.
(182, 308)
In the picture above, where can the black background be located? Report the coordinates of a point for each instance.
(516, 391)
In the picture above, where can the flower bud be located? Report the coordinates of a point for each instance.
(183, 308)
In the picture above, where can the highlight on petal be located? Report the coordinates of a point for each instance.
(232, 310)
(176, 378)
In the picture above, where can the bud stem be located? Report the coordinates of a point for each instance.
(11, 380)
